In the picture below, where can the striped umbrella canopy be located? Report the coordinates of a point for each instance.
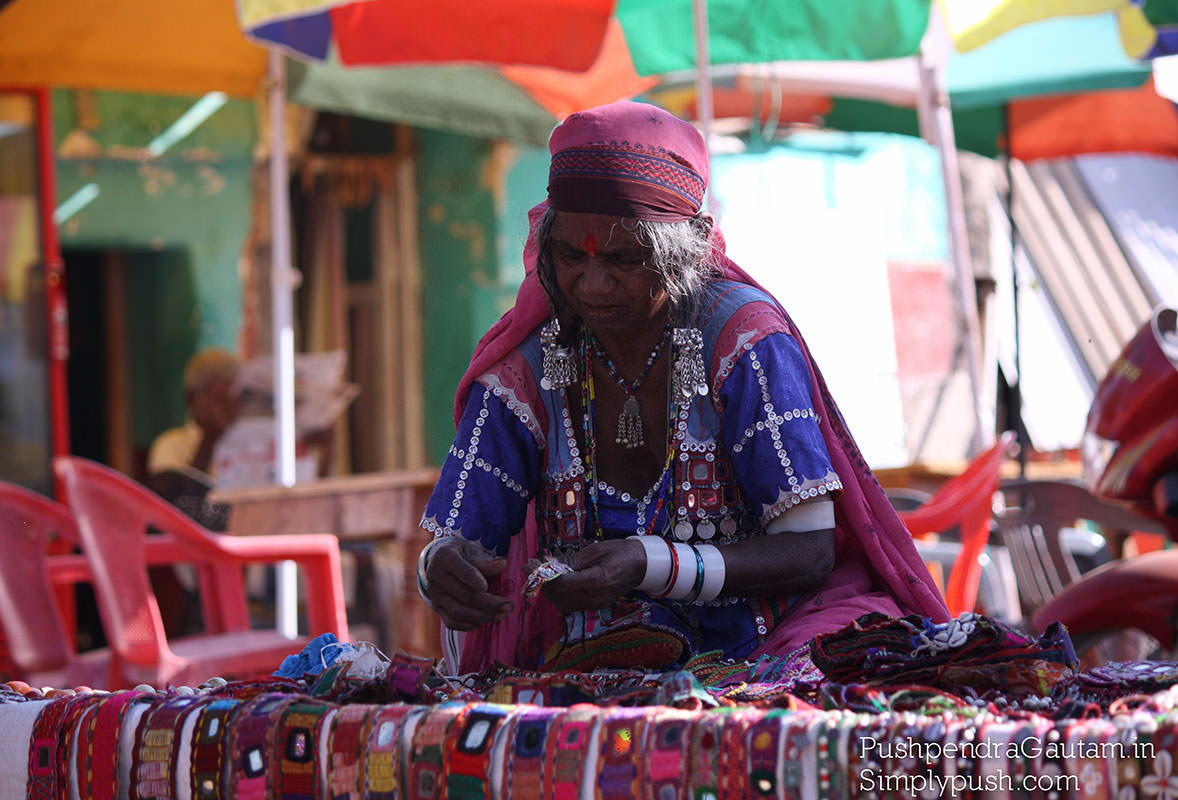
(1067, 83)
(1147, 28)
(567, 34)
(523, 65)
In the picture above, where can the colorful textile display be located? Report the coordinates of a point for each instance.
(289, 745)
(969, 652)
(776, 727)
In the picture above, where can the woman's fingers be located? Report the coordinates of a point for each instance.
(457, 578)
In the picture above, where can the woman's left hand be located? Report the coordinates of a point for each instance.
(603, 572)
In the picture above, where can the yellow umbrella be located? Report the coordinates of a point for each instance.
(177, 47)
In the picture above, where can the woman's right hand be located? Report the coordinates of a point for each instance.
(456, 573)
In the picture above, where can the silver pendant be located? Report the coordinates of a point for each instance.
(630, 425)
(683, 530)
(706, 529)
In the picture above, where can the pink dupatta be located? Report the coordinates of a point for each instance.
(887, 576)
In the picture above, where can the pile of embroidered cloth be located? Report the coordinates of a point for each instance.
(888, 707)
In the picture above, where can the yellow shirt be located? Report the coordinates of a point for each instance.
(174, 448)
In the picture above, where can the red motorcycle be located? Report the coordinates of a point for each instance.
(1128, 608)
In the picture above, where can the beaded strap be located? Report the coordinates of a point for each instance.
(250, 745)
(426, 753)
(209, 767)
(525, 766)
(297, 749)
(349, 733)
(381, 764)
(568, 741)
(153, 757)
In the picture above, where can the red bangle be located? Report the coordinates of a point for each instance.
(674, 573)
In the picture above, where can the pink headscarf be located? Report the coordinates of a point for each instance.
(883, 572)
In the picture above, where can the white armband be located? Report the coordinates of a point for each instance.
(816, 515)
(658, 563)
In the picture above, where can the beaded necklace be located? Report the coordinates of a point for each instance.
(630, 433)
(589, 395)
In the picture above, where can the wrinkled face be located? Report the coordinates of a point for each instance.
(603, 272)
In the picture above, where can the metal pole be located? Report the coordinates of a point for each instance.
(935, 109)
(281, 288)
(1015, 382)
(56, 314)
(703, 84)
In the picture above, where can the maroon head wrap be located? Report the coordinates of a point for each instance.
(628, 159)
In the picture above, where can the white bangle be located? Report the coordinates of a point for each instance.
(713, 572)
(685, 578)
(422, 564)
(658, 563)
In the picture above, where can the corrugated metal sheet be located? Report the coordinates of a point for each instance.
(1099, 238)
(1138, 195)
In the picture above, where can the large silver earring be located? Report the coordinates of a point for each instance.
(689, 377)
(560, 368)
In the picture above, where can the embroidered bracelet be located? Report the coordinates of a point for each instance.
(658, 562)
(765, 746)
(43, 755)
(208, 762)
(665, 737)
(78, 709)
(296, 754)
(705, 754)
(618, 753)
(565, 751)
(469, 743)
(153, 760)
(106, 725)
(713, 561)
(524, 772)
(348, 734)
(426, 756)
(250, 746)
(381, 764)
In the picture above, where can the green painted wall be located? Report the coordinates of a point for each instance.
(460, 267)
(179, 219)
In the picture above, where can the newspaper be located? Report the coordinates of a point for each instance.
(247, 453)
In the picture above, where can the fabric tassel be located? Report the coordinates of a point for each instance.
(630, 425)
(689, 377)
(559, 366)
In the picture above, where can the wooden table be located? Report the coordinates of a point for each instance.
(379, 507)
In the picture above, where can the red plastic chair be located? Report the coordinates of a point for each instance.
(40, 640)
(966, 501)
(113, 514)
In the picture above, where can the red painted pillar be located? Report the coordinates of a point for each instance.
(56, 315)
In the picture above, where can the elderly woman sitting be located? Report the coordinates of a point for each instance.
(645, 435)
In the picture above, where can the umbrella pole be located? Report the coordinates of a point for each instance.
(281, 288)
(57, 320)
(1015, 396)
(935, 113)
(703, 84)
